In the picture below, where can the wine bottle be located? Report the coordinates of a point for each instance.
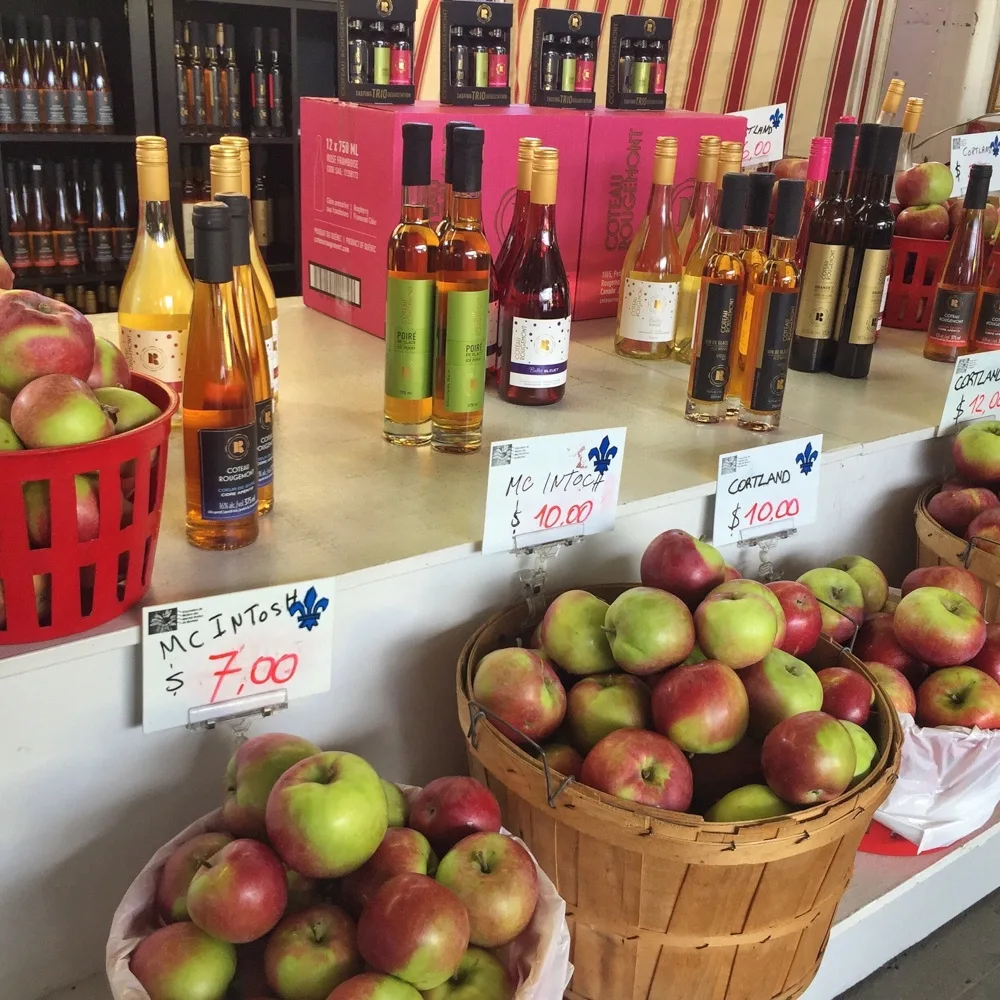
(8, 90)
(586, 63)
(890, 103)
(51, 84)
(830, 230)
(276, 86)
(409, 305)
(63, 237)
(700, 215)
(865, 281)
(260, 124)
(229, 81)
(986, 326)
(29, 105)
(642, 69)
(190, 196)
(816, 170)
(17, 226)
(549, 68)
(40, 241)
(567, 63)
(955, 299)
(651, 275)
(721, 293)
(196, 81)
(259, 203)
(659, 67)
(911, 122)
(462, 306)
(123, 232)
(480, 58)
(77, 102)
(459, 57)
(102, 113)
(514, 239)
(81, 223)
(220, 463)
(864, 157)
(400, 56)
(252, 322)
(359, 54)
(498, 59)
(625, 62)
(535, 312)
(449, 131)
(102, 251)
(181, 78)
(155, 301)
(212, 85)
(775, 300)
(380, 54)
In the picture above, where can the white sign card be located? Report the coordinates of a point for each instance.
(761, 491)
(979, 147)
(765, 140)
(546, 489)
(973, 392)
(214, 649)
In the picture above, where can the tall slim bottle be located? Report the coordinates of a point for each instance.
(40, 239)
(8, 90)
(276, 86)
(890, 103)
(514, 239)
(911, 122)
(864, 158)
(17, 227)
(813, 346)
(81, 223)
(536, 313)
(260, 119)
(651, 276)
(123, 227)
(195, 81)
(776, 297)
(449, 131)
(865, 281)
(77, 103)
(986, 326)
(102, 112)
(29, 105)
(181, 78)
(230, 81)
(63, 237)
(220, 462)
(155, 301)
(102, 246)
(251, 322)
(816, 170)
(409, 306)
(463, 305)
(718, 309)
(214, 109)
(701, 214)
(955, 300)
(51, 83)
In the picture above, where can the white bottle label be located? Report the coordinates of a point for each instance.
(271, 345)
(649, 310)
(539, 353)
(881, 308)
(187, 210)
(159, 354)
(493, 336)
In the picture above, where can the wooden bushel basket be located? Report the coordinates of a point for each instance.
(663, 905)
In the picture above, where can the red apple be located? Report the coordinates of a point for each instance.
(877, 641)
(402, 850)
(778, 687)
(939, 627)
(736, 628)
(599, 705)
(984, 531)
(953, 578)
(846, 694)
(955, 510)
(179, 961)
(38, 510)
(641, 767)
(175, 878)
(923, 222)
(808, 758)
(924, 184)
(563, 758)
(6, 274)
(895, 687)
(374, 986)
(732, 573)
(976, 452)
(959, 696)
(678, 562)
(954, 483)
(988, 658)
(792, 167)
(956, 209)
(110, 367)
(448, 809)
(717, 774)
(803, 617)
(701, 707)
(842, 603)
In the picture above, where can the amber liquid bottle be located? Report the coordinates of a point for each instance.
(102, 247)
(20, 258)
(813, 346)
(64, 239)
(890, 103)
(29, 105)
(40, 240)
(514, 239)
(230, 81)
(220, 464)
(861, 174)
(214, 109)
(77, 104)
(449, 130)
(816, 171)
(702, 212)
(409, 306)
(718, 307)
(775, 298)
(195, 81)
(955, 300)
(986, 326)
(181, 77)
(51, 84)
(102, 114)
(463, 305)
(651, 275)
(8, 91)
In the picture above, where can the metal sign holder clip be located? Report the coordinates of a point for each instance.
(531, 581)
(239, 713)
(765, 543)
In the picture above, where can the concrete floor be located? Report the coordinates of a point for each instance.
(961, 961)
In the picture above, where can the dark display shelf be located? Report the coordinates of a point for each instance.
(74, 138)
(255, 140)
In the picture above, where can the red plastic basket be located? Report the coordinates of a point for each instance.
(914, 267)
(70, 586)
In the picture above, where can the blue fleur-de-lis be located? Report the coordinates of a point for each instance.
(308, 610)
(601, 457)
(807, 458)
(995, 146)
(777, 118)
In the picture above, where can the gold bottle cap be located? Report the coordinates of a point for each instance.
(708, 157)
(665, 160)
(242, 144)
(90, 302)
(544, 175)
(152, 177)
(893, 95)
(730, 160)
(226, 169)
(526, 147)
(911, 116)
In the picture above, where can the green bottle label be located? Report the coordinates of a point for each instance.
(409, 337)
(380, 60)
(465, 351)
(640, 77)
(568, 72)
(482, 68)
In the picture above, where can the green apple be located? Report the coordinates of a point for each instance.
(396, 801)
(737, 629)
(599, 705)
(479, 976)
(865, 750)
(573, 633)
(753, 587)
(649, 630)
(779, 686)
(181, 962)
(842, 605)
(748, 803)
(871, 580)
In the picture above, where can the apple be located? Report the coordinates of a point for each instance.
(748, 803)
(302, 891)
(871, 580)
(976, 452)
(374, 986)
(865, 750)
(648, 630)
(479, 976)
(924, 184)
(808, 758)
(6, 274)
(416, 929)
(803, 616)
(953, 578)
(778, 687)
(520, 687)
(573, 633)
(956, 210)
(959, 696)
(327, 814)
(792, 167)
(842, 602)
(495, 879)
(923, 222)
(678, 562)
(877, 641)
(955, 510)
(311, 952)
(563, 758)
(895, 687)
(239, 893)
(846, 694)
(182, 962)
(175, 877)
(954, 483)
(599, 705)
(732, 573)
(738, 629)
(402, 850)
(717, 774)
(753, 587)
(251, 774)
(447, 809)
(988, 658)
(939, 627)
(395, 800)
(641, 767)
(984, 531)
(701, 707)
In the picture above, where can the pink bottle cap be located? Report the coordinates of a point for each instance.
(847, 120)
(819, 158)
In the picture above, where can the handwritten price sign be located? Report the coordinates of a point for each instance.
(216, 649)
(979, 147)
(546, 489)
(973, 392)
(765, 139)
(760, 491)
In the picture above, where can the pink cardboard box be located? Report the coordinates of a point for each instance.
(351, 163)
(619, 173)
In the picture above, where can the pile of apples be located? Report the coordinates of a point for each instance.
(327, 885)
(925, 208)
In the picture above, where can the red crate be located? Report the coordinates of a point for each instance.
(915, 268)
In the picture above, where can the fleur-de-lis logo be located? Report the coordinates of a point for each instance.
(995, 146)
(603, 456)
(307, 610)
(807, 458)
(777, 118)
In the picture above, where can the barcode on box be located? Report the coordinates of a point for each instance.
(336, 284)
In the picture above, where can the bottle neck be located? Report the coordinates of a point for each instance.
(904, 158)
(157, 220)
(879, 189)
(659, 202)
(860, 182)
(783, 248)
(466, 209)
(415, 204)
(542, 222)
(726, 240)
(755, 238)
(836, 185)
(704, 196)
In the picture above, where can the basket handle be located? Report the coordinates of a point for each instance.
(857, 625)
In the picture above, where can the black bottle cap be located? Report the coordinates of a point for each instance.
(230, 35)
(274, 37)
(842, 151)
(70, 29)
(21, 26)
(417, 154)
(467, 160)
(213, 242)
(194, 35)
(95, 31)
(886, 149)
(733, 204)
(239, 211)
(788, 213)
(178, 32)
(46, 27)
(979, 185)
(759, 200)
(258, 38)
(449, 131)
(867, 138)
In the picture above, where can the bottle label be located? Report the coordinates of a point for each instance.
(640, 76)
(8, 107)
(79, 113)
(183, 112)
(159, 353)
(550, 69)
(261, 230)
(868, 301)
(465, 350)
(539, 352)
(54, 103)
(710, 367)
(820, 285)
(271, 347)
(771, 363)
(493, 336)
(234, 115)
(81, 233)
(568, 73)
(480, 68)
(102, 250)
(401, 73)
(649, 310)
(584, 75)
(187, 214)
(228, 469)
(65, 244)
(104, 112)
(881, 308)
(124, 245)
(380, 64)
(409, 337)
(988, 322)
(951, 319)
(20, 251)
(660, 76)
(42, 249)
(276, 100)
(265, 442)
(497, 69)
(29, 108)
(258, 86)
(845, 284)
